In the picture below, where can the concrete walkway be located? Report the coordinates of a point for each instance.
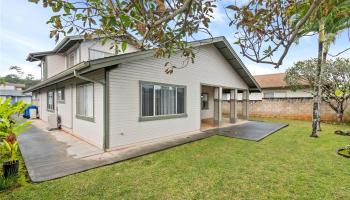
(53, 154)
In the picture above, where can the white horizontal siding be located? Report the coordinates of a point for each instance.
(55, 64)
(91, 131)
(64, 109)
(210, 68)
(97, 45)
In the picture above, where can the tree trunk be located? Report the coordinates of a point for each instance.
(314, 116)
(325, 48)
(317, 97)
(340, 115)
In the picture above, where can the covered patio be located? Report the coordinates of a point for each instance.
(219, 106)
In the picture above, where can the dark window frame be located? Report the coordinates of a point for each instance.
(83, 117)
(62, 89)
(161, 117)
(53, 100)
(207, 105)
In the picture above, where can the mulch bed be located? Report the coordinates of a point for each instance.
(345, 133)
(344, 152)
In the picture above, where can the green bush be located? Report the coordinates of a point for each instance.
(11, 126)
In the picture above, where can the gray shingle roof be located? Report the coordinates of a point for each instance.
(13, 93)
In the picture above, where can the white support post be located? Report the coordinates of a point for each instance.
(245, 104)
(233, 106)
(217, 106)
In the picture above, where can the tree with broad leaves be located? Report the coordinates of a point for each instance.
(267, 28)
(17, 69)
(335, 79)
(29, 79)
(332, 17)
(163, 25)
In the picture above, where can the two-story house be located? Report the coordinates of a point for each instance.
(15, 92)
(113, 101)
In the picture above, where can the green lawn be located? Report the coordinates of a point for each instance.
(286, 165)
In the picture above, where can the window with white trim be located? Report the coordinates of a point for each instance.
(51, 100)
(85, 100)
(162, 100)
(96, 54)
(60, 95)
(269, 94)
(275, 94)
(71, 59)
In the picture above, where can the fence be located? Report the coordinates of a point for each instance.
(291, 108)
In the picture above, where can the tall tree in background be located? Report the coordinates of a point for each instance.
(167, 25)
(18, 77)
(335, 79)
(266, 30)
(332, 17)
(17, 69)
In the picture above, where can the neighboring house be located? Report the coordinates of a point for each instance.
(274, 86)
(15, 92)
(113, 101)
(277, 100)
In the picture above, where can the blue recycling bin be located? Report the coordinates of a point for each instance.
(27, 111)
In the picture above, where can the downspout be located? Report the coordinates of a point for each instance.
(77, 75)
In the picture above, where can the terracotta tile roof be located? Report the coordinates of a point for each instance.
(271, 80)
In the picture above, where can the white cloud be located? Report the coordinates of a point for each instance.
(20, 40)
(219, 16)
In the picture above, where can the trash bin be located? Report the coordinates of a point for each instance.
(31, 112)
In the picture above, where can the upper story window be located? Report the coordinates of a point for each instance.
(162, 100)
(95, 54)
(71, 59)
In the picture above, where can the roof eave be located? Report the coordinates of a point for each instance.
(64, 75)
(92, 65)
(244, 68)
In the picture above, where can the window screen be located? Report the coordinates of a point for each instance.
(159, 100)
(85, 100)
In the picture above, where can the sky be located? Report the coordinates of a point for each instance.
(23, 30)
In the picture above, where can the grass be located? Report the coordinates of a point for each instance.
(286, 165)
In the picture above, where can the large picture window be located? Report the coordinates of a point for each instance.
(162, 100)
(51, 100)
(85, 101)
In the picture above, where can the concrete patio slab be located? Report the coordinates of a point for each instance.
(252, 130)
(54, 154)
